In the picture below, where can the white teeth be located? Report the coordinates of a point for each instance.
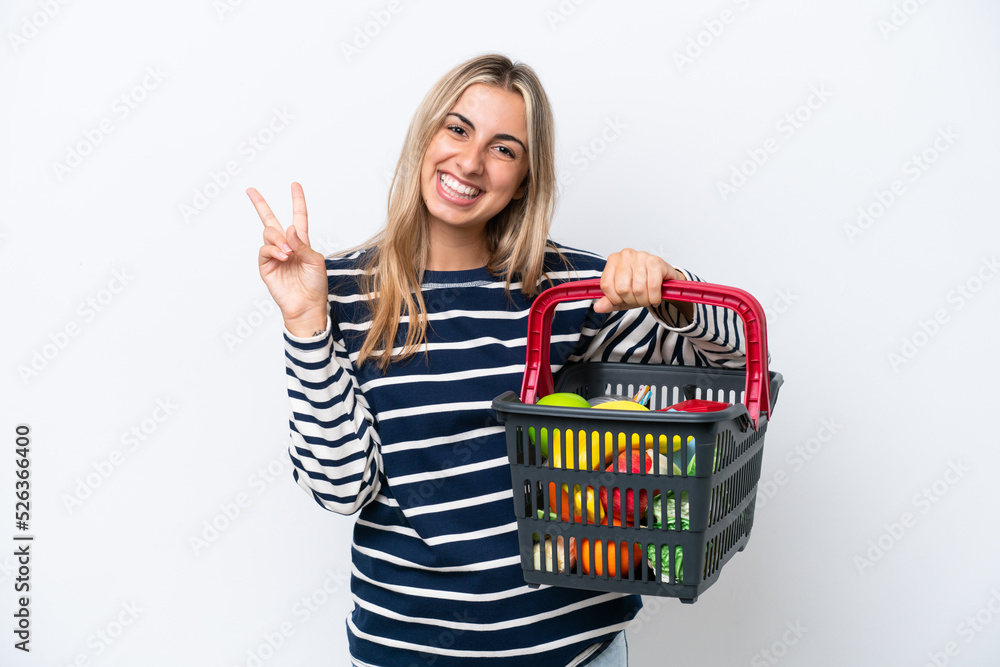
(456, 189)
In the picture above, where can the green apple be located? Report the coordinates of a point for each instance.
(561, 398)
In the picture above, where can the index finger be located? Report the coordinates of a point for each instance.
(263, 210)
(300, 218)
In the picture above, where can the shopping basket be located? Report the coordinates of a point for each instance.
(588, 519)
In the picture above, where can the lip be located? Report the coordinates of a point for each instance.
(457, 201)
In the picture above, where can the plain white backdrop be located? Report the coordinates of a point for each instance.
(837, 160)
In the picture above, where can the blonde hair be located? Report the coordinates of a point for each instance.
(516, 237)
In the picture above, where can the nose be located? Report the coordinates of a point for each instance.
(470, 159)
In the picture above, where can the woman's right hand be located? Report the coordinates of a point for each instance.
(294, 273)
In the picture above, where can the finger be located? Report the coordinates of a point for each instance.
(303, 251)
(267, 252)
(640, 285)
(300, 217)
(263, 210)
(275, 237)
(295, 239)
(609, 278)
(654, 287)
(657, 273)
(623, 288)
(603, 305)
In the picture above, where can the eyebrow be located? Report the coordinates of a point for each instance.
(505, 137)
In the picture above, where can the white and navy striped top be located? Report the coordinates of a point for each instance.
(436, 575)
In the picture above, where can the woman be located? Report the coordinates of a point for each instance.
(396, 350)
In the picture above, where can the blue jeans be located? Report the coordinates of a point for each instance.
(615, 655)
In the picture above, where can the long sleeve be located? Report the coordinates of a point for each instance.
(714, 338)
(334, 446)
(663, 335)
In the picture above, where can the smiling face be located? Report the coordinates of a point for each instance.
(476, 162)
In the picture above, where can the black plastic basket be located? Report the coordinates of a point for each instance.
(699, 510)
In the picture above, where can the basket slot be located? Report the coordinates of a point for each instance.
(719, 546)
(729, 494)
(553, 554)
(665, 563)
(612, 560)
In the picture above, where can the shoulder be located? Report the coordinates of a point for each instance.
(344, 270)
(564, 262)
(349, 262)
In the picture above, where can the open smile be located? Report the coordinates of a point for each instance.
(455, 191)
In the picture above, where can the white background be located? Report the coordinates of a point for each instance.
(875, 535)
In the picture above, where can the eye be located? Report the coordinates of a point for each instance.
(506, 151)
(457, 129)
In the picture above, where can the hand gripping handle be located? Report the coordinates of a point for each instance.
(538, 371)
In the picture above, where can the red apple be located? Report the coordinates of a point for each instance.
(636, 467)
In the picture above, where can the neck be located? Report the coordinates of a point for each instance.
(456, 249)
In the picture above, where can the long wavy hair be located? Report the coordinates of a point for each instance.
(516, 237)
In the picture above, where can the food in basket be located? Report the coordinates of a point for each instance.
(621, 405)
(664, 561)
(562, 499)
(671, 524)
(697, 405)
(564, 399)
(565, 451)
(617, 552)
(597, 400)
(638, 458)
(558, 500)
(560, 555)
(692, 457)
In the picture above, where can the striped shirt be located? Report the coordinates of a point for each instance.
(436, 574)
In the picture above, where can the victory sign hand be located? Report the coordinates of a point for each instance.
(294, 273)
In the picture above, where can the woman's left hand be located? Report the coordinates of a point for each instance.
(633, 278)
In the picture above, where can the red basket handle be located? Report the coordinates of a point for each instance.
(538, 371)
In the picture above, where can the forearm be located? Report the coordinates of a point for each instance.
(701, 334)
(686, 308)
(334, 447)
